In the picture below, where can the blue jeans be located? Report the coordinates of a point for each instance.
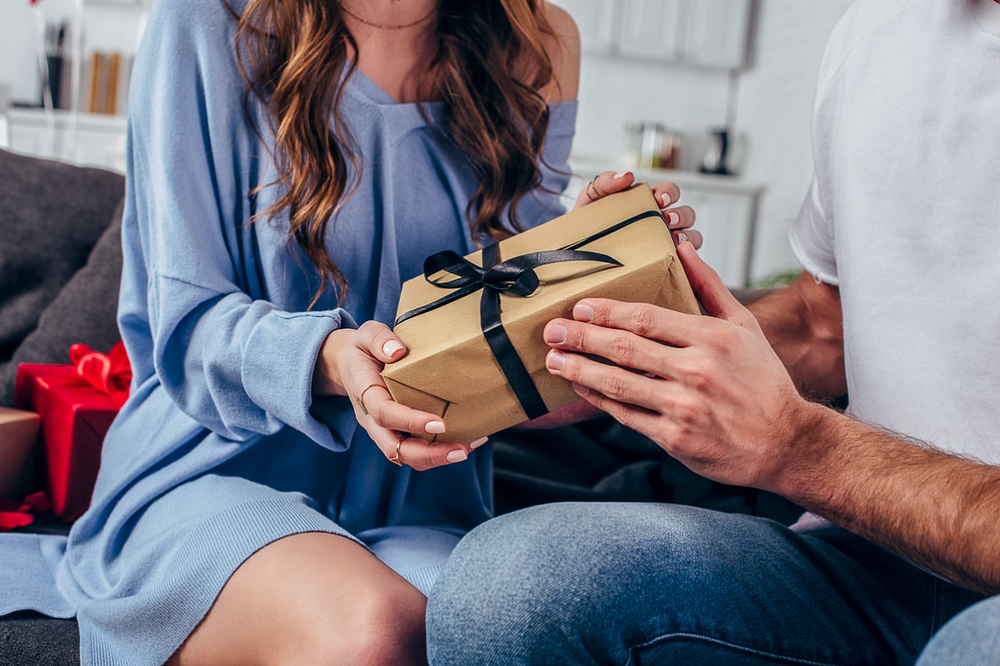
(640, 584)
(972, 638)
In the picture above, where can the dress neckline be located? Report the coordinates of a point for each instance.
(374, 92)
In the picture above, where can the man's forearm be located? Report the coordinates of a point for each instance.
(936, 510)
(804, 325)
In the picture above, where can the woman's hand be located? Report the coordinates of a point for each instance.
(350, 363)
(680, 219)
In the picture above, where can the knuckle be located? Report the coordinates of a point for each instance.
(615, 386)
(623, 350)
(685, 410)
(641, 320)
(622, 415)
(698, 374)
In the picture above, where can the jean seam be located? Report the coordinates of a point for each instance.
(741, 648)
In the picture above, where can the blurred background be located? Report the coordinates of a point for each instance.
(713, 94)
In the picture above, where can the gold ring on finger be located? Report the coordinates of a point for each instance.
(395, 459)
(361, 396)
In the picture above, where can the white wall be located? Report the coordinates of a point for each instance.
(617, 91)
(774, 110)
(772, 102)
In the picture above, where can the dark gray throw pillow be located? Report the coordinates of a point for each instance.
(84, 311)
(51, 215)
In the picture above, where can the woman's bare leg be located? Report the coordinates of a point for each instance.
(310, 599)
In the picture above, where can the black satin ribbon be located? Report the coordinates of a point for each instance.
(517, 277)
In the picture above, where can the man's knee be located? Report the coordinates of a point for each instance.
(552, 573)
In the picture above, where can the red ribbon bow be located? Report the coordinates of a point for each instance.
(15, 514)
(109, 373)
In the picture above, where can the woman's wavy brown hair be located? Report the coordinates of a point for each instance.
(490, 71)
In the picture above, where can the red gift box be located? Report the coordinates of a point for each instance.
(77, 404)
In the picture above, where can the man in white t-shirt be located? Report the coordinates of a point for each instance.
(898, 307)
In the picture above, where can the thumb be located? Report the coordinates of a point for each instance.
(606, 183)
(715, 297)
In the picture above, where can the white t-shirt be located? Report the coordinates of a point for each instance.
(904, 215)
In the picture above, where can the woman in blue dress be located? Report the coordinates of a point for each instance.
(291, 163)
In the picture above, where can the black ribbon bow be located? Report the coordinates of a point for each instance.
(516, 277)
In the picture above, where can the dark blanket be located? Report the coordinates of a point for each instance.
(602, 460)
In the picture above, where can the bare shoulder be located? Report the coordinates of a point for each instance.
(564, 50)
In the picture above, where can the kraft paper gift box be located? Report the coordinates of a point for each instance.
(18, 436)
(456, 329)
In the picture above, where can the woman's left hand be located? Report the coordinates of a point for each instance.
(679, 219)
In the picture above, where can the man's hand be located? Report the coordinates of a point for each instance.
(709, 390)
(713, 393)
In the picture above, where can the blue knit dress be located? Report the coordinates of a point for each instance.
(222, 448)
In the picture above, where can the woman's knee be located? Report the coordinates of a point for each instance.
(384, 628)
(311, 599)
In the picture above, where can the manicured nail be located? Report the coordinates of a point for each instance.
(620, 175)
(391, 347)
(434, 427)
(458, 455)
(555, 333)
(666, 200)
(583, 312)
(673, 219)
(681, 237)
(555, 360)
(479, 442)
(581, 390)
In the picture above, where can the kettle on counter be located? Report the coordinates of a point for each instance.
(717, 156)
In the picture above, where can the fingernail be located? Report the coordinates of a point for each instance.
(620, 175)
(391, 347)
(555, 333)
(458, 455)
(479, 442)
(434, 427)
(681, 237)
(581, 390)
(555, 360)
(666, 200)
(583, 312)
(673, 219)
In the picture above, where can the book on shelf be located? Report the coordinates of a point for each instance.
(103, 83)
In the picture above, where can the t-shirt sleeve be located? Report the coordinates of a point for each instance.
(194, 312)
(811, 238)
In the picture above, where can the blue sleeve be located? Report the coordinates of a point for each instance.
(546, 202)
(193, 309)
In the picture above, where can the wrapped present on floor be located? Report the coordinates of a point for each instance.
(77, 404)
(21, 513)
(18, 437)
(473, 325)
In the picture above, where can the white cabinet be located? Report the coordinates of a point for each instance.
(651, 29)
(725, 209)
(89, 140)
(704, 33)
(717, 33)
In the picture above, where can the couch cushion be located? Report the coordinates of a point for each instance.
(84, 311)
(51, 215)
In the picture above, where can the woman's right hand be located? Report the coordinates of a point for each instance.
(350, 363)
